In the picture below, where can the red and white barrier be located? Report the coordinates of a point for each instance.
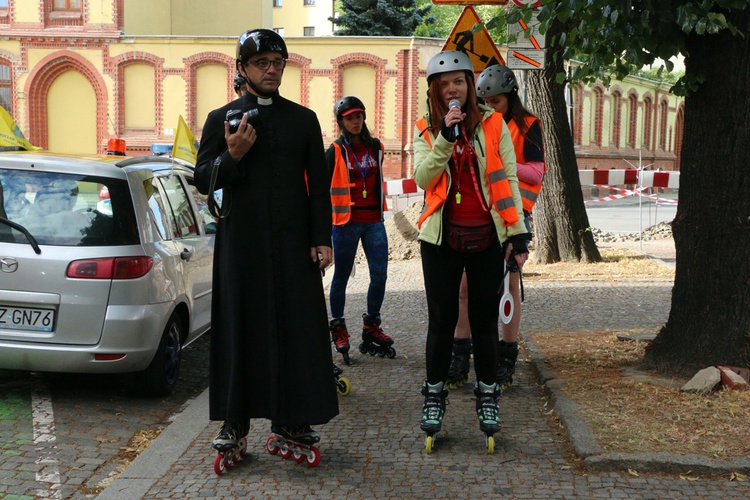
(402, 186)
(648, 178)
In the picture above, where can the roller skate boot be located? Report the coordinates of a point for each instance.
(488, 411)
(342, 383)
(507, 354)
(433, 411)
(231, 444)
(374, 340)
(458, 373)
(340, 338)
(294, 441)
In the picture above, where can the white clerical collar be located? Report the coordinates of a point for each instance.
(265, 101)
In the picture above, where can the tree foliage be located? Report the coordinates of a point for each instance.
(444, 17)
(380, 17)
(619, 37)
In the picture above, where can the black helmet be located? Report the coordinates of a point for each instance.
(239, 80)
(347, 105)
(258, 41)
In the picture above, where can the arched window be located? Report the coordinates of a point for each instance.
(663, 112)
(632, 120)
(647, 122)
(5, 87)
(616, 115)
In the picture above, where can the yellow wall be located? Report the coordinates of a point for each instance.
(71, 116)
(140, 111)
(196, 17)
(211, 81)
(294, 16)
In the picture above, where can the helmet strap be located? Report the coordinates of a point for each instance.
(253, 87)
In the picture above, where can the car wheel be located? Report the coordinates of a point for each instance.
(161, 375)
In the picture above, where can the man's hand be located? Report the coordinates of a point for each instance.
(241, 141)
(322, 255)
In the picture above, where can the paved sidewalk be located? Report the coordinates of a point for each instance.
(374, 448)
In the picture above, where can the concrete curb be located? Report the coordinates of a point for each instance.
(156, 460)
(585, 446)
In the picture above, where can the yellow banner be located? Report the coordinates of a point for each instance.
(185, 146)
(10, 135)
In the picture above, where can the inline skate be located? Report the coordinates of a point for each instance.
(507, 354)
(342, 383)
(433, 411)
(294, 441)
(374, 341)
(488, 412)
(458, 373)
(340, 338)
(231, 443)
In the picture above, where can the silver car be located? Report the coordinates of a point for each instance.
(105, 265)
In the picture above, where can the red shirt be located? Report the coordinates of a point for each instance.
(472, 210)
(363, 173)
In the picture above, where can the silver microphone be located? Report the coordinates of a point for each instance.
(454, 103)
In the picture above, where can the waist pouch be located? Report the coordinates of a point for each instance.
(470, 239)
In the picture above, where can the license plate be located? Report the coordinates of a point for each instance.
(27, 318)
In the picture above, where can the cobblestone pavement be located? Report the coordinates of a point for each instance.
(374, 448)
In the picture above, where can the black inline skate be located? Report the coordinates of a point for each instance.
(231, 443)
(488, 412)
(507, 355)
(340, 338)
(342, 383)
(433, 411)
(458, 373)
(374, 340)
(294, 441)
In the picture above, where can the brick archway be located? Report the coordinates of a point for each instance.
(37, 88)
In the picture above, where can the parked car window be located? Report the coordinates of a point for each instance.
(157, 208)
(204, 214)
(68, 210)
(183, 220)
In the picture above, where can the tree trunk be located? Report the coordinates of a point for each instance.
(561, 225)
(709, 321)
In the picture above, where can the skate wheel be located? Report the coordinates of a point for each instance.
(343, 386)
(286, 451)
(371, 351)
(428, 442)
(298, 454)
(271, 445)
(242, 451)
(362, 348)
(490, 444)
(313, 458)
(391, 353)
(381, 354)
(219, 464)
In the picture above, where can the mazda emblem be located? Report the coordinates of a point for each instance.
(8, 265)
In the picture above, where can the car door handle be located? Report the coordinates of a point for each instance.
(186, 254)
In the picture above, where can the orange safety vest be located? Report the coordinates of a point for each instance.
(500, 192)
(341, 200)
(529, 192)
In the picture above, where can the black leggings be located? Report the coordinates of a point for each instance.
(442, 268)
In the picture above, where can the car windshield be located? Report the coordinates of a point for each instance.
(66, 210)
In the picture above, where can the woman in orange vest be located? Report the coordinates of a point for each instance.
(465, 161)
(355, 160)
(498, 87)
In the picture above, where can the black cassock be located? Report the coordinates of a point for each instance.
(270, 345)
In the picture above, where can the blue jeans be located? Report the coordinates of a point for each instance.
(346, 239)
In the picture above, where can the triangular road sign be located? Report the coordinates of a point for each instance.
(471, 37)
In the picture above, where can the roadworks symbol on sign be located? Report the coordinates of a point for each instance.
(471, 37)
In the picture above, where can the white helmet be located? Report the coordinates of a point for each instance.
(496, 79)
(447, 61)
